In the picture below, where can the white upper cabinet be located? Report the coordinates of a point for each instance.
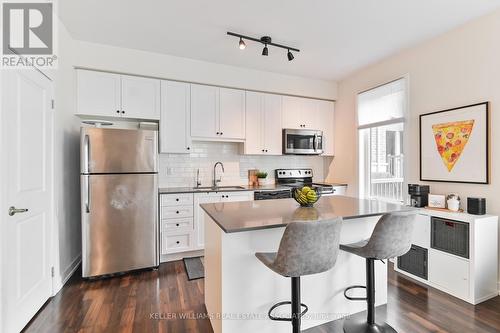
(299, 113)
(217, 113)
(272, 124)
(232, 113)
(263, 124)
(98, 93)
(326, 123)
(114, 95)
(175, 120)
(204, 111)
(140, 97)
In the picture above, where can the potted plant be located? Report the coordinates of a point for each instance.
(261, 176)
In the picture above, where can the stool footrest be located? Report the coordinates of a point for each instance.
(354, 298)
(285, 303)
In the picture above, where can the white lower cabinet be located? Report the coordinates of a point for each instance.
(421, 234)
(182, 220)
(176, 223)
(472, 277)
(455, 278)
(213, 197)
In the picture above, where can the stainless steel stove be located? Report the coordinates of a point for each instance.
(299, 178)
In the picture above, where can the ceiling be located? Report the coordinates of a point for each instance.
(336, 37)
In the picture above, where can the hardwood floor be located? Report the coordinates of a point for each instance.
(141, 302)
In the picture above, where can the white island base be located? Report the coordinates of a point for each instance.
(239, 289)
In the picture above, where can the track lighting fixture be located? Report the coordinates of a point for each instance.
(265, 51)
(242, 44)
(267, 41)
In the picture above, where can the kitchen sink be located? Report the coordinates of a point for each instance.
(218, 188)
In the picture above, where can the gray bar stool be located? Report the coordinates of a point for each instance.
(305, 248)
(390, 238)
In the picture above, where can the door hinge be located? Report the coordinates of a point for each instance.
(52, 104)
(52, 271)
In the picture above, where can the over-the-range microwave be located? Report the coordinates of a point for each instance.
(302, 142)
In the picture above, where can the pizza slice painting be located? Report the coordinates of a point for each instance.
(451, 139)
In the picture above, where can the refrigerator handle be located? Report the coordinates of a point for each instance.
(87, 189)
(86, 150)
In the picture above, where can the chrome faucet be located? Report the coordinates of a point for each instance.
(215, 180)
(198, 183)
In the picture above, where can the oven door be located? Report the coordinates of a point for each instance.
(302, 142)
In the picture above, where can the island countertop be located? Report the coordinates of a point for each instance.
(263, 214)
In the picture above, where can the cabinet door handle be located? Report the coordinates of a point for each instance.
(177, 212)
(177, 199)
(123, 111)
(217, 133)
(117, 111)
(177, 224)
(177, 242)
(188, 148)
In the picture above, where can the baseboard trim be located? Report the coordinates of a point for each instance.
(181, 255)
(68, 272)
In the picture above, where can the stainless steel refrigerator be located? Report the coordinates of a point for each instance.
(119, 200)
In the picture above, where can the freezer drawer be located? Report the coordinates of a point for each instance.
(113, 150)
(119, 223)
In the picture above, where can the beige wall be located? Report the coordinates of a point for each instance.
(458, 68)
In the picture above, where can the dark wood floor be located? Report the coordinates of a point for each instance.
(141, 302)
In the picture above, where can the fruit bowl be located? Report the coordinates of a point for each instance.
(306, 196)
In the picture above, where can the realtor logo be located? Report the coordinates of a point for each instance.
(28, 35)
(27, 28)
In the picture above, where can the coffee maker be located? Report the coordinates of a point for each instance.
(419, 195)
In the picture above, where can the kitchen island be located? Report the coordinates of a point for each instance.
(239, 289)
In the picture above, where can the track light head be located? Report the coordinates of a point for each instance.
(289, 56)
(265, 51)
(242, 44)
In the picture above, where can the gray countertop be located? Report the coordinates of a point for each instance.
(254, 215)
(173, 190)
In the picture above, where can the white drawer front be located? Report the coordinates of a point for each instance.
(181, 199)
(176, 243)
(449, 272)
(176, 212)
(176, 225)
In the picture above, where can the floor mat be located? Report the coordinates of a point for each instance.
(194, 268)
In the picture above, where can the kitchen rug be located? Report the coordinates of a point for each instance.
(194, 268)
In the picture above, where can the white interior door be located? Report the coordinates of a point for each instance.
(27, 141)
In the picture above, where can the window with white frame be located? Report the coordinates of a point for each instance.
(381, 124)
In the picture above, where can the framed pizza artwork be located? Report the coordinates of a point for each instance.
(454, 145)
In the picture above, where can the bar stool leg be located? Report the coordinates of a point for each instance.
(370, 326)
(296, 310)
(370, 291)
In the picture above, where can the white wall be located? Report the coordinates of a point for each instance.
(67, 163)
(458, 68)
(110, 58)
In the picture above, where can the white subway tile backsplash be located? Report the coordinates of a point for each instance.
(180, 169)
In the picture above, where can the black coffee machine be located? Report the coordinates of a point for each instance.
(419, 195)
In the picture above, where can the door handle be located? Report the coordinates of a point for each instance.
(315, 142)
(13, 210)
(87, 154)
(87, 189)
